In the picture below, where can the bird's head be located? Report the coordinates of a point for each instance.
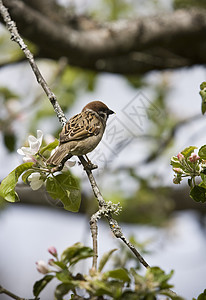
(100, 108)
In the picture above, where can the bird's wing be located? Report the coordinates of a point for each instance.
(80, 127)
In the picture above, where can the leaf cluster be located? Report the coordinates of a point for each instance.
(119, 283)
(62, 185)
(187, 167)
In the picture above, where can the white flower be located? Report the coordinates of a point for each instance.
(68, 164)
(34, 145)
(42, 267)
(35, 181)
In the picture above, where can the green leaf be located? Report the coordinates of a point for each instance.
(203, 96)
(171, 295)
(60, 264)
(104, 259)
(26, 175)
(102, 288)
(65, 187)
(203, 183)
(64, 276)
(7, 187)
(187, 151)
(198, 193)
(160, 277)
(203, 85)
(175, 162)
(202, 152)
(10, 141)
(75, 253)
(50, 146)
(62, 290)
(120, 274)
(189, 182)
(40, 285)
(7, 93)
(202, 296)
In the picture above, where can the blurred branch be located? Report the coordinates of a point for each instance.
(162, 144)
(60, 114)
(6, 292)
(125, 46)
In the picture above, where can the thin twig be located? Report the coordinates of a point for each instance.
(8, 293)
(115, 228)
(94, 232)
(103, 206)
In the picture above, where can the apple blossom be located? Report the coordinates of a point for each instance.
(194, 157)
(42, 267)
(35, 181)
(34, 145)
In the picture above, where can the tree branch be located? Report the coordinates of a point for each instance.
(127, 46)
(8, 293)
(105, 209)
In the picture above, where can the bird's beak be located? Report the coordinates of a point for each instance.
(110, 112)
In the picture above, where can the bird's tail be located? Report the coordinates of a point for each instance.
(60, 156)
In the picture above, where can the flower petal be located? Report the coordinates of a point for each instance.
(68, 164)
(26, 151)
(31, 139)
(35, 181)
(34, 147)
(35, 185)
(28, 159)
(34, 176)
(39, 136)
(20, 151)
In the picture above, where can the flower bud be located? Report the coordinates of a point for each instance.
(194, 157)
(177, 180)
(53, 251)
(42, 267)
(178, 170)
(180, 156)
(51, 262)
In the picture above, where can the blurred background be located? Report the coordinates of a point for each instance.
(158, 114)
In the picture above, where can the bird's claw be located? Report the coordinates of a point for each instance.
(90, 166)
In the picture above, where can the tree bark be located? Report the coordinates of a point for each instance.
(166, 41)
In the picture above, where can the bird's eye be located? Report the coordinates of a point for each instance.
(102, 114)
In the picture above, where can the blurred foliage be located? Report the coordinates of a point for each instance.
(189, 4)
(148, 205)
(119, 283)
(127, 258)
(9, 112)
(10, 52)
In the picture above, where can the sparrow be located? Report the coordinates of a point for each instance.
(81, 134)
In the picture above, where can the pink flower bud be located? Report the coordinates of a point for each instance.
(194, 157)
(42, 267)
(53, 251)
(51, 262)
(180, 156)
(178, 170)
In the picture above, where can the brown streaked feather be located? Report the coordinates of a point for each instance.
(80, 127)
